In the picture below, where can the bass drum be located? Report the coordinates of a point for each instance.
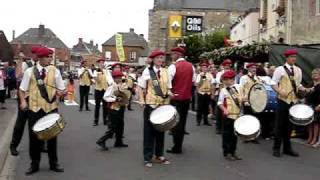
(262, 98)
(164, 118)
(301, 114)
(49, 126)
(247, 127)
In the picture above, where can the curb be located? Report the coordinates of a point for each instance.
(5, 142)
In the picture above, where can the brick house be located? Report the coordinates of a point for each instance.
(86, 51)
(42, 36)
(6, 52)
(135, 47)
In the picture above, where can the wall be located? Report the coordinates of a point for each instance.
(127, 50)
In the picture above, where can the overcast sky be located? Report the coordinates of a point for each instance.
(94, 20)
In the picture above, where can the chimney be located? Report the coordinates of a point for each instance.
(91, 42)
(97, 46)
(141, 35)
(131, 30)
(80, 41)
(13, 34)
(41, 30)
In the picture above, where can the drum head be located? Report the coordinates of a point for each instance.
(162, 114)
(247, 125)
(301, 111)
(258, 98)
(46, 122)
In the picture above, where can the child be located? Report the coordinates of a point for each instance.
(70, 90)
(229, 102)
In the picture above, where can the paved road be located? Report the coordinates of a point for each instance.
(202, 159)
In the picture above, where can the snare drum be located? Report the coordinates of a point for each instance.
(301, 114)
(164, 118)
(262, 98)
(49, 126)
(247, 127)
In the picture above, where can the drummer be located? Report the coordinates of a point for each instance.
(229, 102)
(154, 80)
(40, 106)
(115, 113)
(246, 82)
(286, 82)
(205, 92)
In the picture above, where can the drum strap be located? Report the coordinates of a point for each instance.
(252, 78)
(291, 77)
(42, 87)
(29, 63)
(232, 91)
(156, 84)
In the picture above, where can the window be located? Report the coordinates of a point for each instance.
(318, 7)
(132, 56)
(108, 55)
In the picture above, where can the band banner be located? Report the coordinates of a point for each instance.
(119, 46)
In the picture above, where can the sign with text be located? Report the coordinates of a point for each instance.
(194, 24)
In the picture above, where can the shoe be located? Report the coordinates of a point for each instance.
(80, 110)
(32, 170)
(229, 157)
(236, 157)
(88, 109)
(95, 124)
(129, 109)
(186, 133)
(121, 145)
(161, 160)
(56, 168)
(198, 124)
(44, 149)
(14, 151)
(291, 153)
(3, 108)
(148, 164)
(255, 141)
(218, 131)
(276, 154)
(207, 124)
(171, 151)
(102, 145)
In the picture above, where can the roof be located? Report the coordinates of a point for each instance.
(35, 36)
(6, 52)
(129, 39)
(86, 48)
(232, 5)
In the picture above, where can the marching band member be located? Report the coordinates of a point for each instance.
(205, 92)
(226, 65)
(182, 76)
(22, 115)
(229, 102)
(38, 81)
(131, 79)
(115, 112)
(286, 82)
(85, 76)
(154, 90)
(102, 80)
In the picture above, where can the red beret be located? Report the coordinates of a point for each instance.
(43, 52)
(115, 64)
(34, 49)
(83, 61)
(117, 73)
(226, 62)
(290, 52)
(100, 59)
(250, 65)
(127, 67)
(204, 64)
(156, 53)
(178, 49)
(228, 74)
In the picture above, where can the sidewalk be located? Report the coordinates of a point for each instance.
(7, 120)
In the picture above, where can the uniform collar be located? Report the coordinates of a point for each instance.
(288, 66)
(180, 59)
(156, 69)
(39, 67)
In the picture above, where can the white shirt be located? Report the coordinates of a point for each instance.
(224, 93)
(218, 77)
(266, 80)
(199, 76)
(146, 76)
(2, 80)
(172, 71)
(24, 86)
(280, 71)
(244, 79)
(107, 74)
(109, 94)
(24, 65)
(81, 70)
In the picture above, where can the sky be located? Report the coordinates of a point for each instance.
(95, 20)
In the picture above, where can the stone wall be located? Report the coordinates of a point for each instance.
(127, 50)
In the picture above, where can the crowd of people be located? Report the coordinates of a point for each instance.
(217, 92)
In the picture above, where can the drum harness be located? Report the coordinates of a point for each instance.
(42, 86)
(232, 92)
(156, 84)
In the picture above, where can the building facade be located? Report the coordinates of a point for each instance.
(170, 20)
(246, 29)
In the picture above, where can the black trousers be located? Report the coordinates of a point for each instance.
(229, 139)
(98, 95)
(283, 127)
(153, 140)
(84, 96)
(193, 98)
(218, 113)
(267, 124)
(116, 127)
(179, 130)
(18, 130)
(35, 144)
(203, 108)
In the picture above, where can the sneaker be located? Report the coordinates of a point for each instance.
(148, 164)
(229, 157)
(161, 160)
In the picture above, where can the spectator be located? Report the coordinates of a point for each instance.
(2, 88)
(12, 81)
